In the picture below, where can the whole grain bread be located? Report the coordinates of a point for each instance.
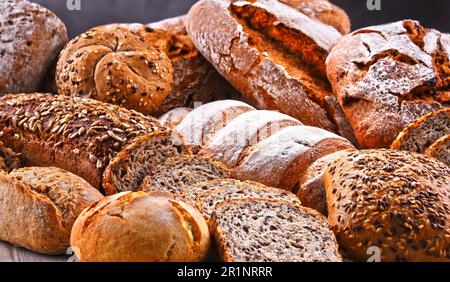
(440, 149)
(264, 230)
(398, 202)
(31, 38)
(140, 227)
(195, 80)
(385, 77)
(79, 135)
(114, 64)
(9, 159)
(174, 117)
(272, 53)
(38, 207)
(224, 190)
(178, 173)
(422, 133)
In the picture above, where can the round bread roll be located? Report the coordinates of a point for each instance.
(140, 227)
(396, 201)
(114, 64)
(31, 38)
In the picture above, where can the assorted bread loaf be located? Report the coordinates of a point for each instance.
(387, 76)
(31, 38)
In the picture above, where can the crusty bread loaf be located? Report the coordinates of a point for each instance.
(195, 80)
(38, 207)
(323, 11)
(272, 53)
(173, 117)
(9, 159)
(311, 190)
(224, 190)
(440, 149)
(386, 77)
(114, 64)
(144, 227)
(79, 135)
(422, 133)
(396, 201)
(264, 230)
(200, 125)
(31, 38)
(178, 173)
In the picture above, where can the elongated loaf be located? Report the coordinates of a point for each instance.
(82, 136)
(272, 53)
(38, 207)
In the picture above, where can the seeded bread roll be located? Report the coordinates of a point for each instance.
(422, 133)
(9, 160)
(195, 80)
(440, 150)
(79, 135)
(174, 117)
(385, 77)
(323, 11)
(177, 173)
(31, 38)
(224, 190)
(396, 201)
(272, 53)
(140, 227)
(38, 207)
(264, 230)
(114, 64)
(311, 191)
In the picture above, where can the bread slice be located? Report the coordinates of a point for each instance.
(421, 134)
(265, 230)
(440, 150)
(185, 171)
(129, 168)
(223, 190)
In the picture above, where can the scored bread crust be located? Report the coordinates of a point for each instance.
(174, 117)
(224, 247)
(140, 227)
(385, 77)
(440, 149)
(195, 80)
(406, 140)
(396, 201)
(114, 64)
(79, 135)
(269, 76)
(40, 205)
(32, 37)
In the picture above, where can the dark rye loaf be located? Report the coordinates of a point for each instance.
(80, 135)
(264, 230)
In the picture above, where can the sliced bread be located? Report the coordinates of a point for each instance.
(184, 171)
(265, 230)
(440, 149)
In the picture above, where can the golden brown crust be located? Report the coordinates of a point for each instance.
(114, 64)
(146, 227)
(40, 205)
(32, 37)
(276, 66)
(440, 150)
(396, 201)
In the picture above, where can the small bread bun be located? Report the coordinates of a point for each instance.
(140, 227)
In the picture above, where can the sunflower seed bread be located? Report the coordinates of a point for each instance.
(31, 38)
(422, 133)
(272, 53)
(385, 77)
(440, 150)
(178, 173)
(114, 64)
(264, 230)
(79, 135)
(396, 201)
(38, 207)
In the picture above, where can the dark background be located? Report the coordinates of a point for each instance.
(432, 13)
